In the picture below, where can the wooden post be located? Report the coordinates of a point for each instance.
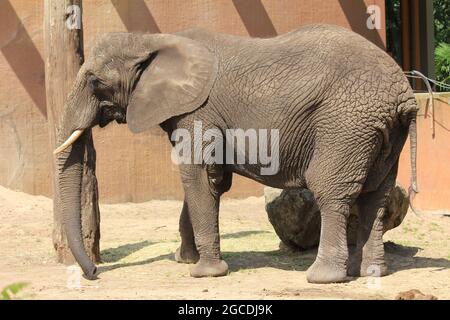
(63, 44)
(406, 61)
(417, 65)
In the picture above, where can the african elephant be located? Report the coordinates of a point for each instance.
(341, 107)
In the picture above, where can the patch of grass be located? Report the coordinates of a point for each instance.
(250, 241)
(405, 229)
(410, 229)
(12, 290)
(249, 251)
(435, 227)
(133, 252)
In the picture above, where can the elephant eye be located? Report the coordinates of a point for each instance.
(92, 82)
(98, 87)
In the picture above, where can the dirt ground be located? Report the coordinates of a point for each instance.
(138, 242)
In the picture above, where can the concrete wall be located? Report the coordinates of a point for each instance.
(138, 167)
(433, 155)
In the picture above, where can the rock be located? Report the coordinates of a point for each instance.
(414, 294)
(396, 208)
(296, 218)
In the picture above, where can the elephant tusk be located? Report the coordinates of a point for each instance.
(73, 137)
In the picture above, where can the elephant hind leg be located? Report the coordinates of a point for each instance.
(336, 179)
(331, 261)
(368, 259)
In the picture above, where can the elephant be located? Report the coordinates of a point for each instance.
(341, 106)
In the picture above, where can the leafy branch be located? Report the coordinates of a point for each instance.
(442, 59)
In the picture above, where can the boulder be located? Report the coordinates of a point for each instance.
(296, 218)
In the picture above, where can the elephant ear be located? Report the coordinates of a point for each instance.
(176, 81)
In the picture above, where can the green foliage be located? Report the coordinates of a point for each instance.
(442, 35)
(393, 29)
(441, 13)
(442, 20)
(13, 289)
(442, 61)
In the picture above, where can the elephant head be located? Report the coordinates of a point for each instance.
(142, 80)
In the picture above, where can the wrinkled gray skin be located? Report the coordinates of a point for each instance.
(342, 106)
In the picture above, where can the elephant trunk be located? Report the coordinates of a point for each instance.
(79, 116)
(69, 164)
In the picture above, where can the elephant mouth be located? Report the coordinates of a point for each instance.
(110, 111)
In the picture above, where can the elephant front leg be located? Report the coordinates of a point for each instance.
(203, 207)
(187, 252)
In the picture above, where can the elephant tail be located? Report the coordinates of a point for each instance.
(412, 131)
(413, 189)
(408, 116)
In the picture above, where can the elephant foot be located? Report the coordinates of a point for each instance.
(209, 268)
(186, 256)
(325, 272)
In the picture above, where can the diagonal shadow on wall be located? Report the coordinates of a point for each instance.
(255, 18)
(356, 13)
(136, 16)
(22, 55)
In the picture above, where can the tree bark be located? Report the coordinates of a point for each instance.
(63, 44)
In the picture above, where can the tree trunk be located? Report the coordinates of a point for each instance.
(63, 42)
